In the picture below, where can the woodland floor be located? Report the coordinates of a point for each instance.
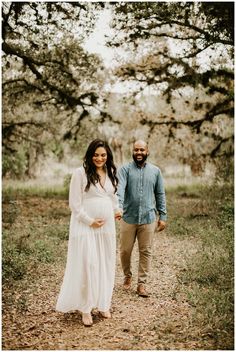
(164, 321)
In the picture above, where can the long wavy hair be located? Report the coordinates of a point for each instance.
(90, 168)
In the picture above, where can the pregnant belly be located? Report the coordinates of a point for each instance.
(99, 208)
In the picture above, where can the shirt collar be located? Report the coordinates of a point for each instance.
(140, 167)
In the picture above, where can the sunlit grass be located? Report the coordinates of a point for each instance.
(14, 192)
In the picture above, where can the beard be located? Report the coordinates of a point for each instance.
(140, 161)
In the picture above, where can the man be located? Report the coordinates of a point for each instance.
(141, 196)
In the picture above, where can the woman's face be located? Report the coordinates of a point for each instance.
(100, 157)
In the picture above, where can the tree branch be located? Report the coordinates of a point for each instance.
(215, 151)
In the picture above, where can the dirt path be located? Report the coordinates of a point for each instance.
(162, 321)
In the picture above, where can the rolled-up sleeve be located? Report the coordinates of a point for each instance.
(76, 198)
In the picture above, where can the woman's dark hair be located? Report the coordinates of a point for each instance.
(90, 168)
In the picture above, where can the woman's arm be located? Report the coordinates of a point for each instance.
(76, 197)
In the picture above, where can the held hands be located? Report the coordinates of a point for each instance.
(98, 223)
(118, 214)
(161, 225)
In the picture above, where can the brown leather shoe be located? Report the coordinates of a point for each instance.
(141, 291)
(127, 283)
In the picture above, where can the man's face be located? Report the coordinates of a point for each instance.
(140, 152)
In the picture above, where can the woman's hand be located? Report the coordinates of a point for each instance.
(118, 214)
(98, 223)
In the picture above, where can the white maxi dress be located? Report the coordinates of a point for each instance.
(90, 269)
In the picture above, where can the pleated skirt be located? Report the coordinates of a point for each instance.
(90, 268)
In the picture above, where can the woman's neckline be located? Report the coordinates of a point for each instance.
(105, 178)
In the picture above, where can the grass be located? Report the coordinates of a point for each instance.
(206, 215)
(15, 189)
(15, 192)
(35, 228)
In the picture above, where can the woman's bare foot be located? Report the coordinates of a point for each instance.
(87, 319)
(106, 314)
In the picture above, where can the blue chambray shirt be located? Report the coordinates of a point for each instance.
(141, 193)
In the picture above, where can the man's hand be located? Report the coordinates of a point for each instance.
(161, 225)
(98, 223)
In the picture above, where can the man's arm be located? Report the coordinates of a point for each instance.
(122, 177)
(160, 202)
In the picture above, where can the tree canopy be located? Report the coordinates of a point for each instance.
(183, 53)
(178, 63)
(49, 80)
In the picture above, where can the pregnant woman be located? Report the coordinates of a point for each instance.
(90, 269)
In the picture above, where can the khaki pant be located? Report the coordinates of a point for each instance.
(144, 234)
